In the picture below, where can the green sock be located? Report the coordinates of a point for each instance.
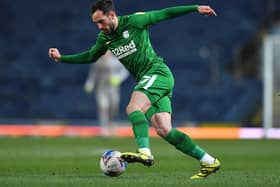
(185, 144)
(140, 128)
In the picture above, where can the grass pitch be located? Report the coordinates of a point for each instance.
(75, 162)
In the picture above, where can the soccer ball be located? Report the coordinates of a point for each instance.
(111, 163)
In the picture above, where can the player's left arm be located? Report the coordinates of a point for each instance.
(143, 19)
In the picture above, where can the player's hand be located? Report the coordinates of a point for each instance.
(206, 10)
(55, 54)
(114, 80)
(89, 87)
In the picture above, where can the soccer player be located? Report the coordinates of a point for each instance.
(128, 39)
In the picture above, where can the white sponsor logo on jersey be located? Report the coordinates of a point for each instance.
(125, 34)
(125, 50)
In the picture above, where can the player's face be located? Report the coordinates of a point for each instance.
(105, 22)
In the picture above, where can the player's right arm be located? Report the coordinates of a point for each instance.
(85, 57)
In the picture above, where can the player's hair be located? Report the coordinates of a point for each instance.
(104, 5)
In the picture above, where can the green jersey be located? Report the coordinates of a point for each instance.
(130, 42)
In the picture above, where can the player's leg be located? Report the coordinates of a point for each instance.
(138, 105)
(162, 124)
(161, 121)
(148, 91)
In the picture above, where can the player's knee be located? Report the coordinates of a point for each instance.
(161, 124)
(131, 108)
(162, 132)
(134, 107)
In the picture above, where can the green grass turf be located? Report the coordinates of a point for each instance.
(75, 162)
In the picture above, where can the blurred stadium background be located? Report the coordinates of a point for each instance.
(226, 67)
